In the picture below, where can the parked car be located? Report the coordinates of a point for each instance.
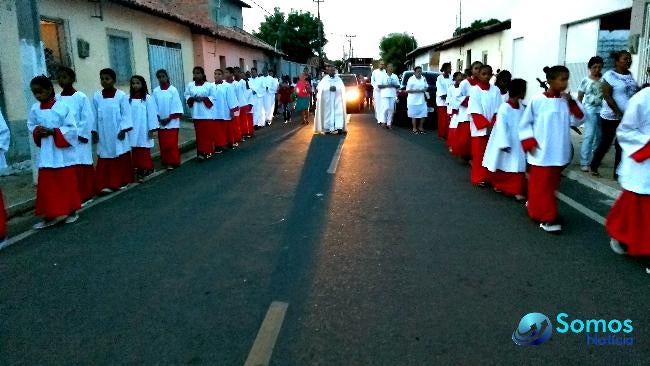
(352, 95)
(401, 117)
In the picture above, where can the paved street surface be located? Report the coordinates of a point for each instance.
(392, 260)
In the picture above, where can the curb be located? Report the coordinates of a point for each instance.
(608, 191)
(28, 205)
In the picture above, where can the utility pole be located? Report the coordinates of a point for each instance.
(349, 37)
(320, 36)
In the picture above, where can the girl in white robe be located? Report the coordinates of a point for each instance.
(443, 83)
(5, 138)
(484, 102)
(145, 123)
(453, 104)
(170, 111)
(83, 114)
(504, 156)
(627, 222)
(199, 96)
(112, 124)
(54, 131)
(545, 135)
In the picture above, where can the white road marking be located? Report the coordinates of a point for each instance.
(335, 159)
(260, 354)
(582, 209)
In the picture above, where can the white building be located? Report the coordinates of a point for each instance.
(640, 37)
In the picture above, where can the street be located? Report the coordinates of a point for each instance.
(390, 257)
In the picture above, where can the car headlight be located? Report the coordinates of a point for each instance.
(352, 95)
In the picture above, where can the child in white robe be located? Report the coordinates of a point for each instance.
(199, 96)
(170, 111)
(443, 83)
(453, 105)
(112, 123)
(144, 117)
(54, 131)
(504, 156)
(544, 132)
(225, 106)
(463, 145)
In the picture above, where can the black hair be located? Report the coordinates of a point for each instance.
(517, 88)
(215, 70)
(237, 68)
(69, 71)
(503, 74)
(476, 63)
(554, 72)
(44, 82)
(617, 54)
(594, 61)
(162, 71)
(488, 67)
(253, 68)
(456, 74)
(445, 66)
(230, 70)
(295, 80)
(468, 72)
(202, 70)
(144, 90)
(418, 67)
(109, 72)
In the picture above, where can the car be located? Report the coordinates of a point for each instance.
(401, 116)
(352, 95)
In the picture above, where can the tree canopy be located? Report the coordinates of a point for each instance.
(477, 24)
(394, 47)
(295, 34)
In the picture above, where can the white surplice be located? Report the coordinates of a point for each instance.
(60, 117)
(83, 114)
(331, 111)
(144, 117)
(506, 135)
(112, 115)
(633, 134)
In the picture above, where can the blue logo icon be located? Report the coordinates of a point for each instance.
(533, 329)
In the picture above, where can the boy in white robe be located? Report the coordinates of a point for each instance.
(375, 79)
(272, 85)
(235, 135)
(463, 145)
(544, 132)
(443, 82)
(504, 156)
(112, 123)
(144, 117)
(199, 96)
(258, 87)
(170, 111)
(330, 104)
(453, 105)
(388, 92)
(242, 91)
(627, 222)
(225, 107)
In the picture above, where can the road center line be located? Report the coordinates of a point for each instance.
(335, 159)
(260, 354)
(582, 209)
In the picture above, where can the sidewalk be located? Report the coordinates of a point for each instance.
(19, 191)
(604, 184)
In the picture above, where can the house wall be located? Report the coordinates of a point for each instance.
(14, 105)
(208, 50)
(423, 60)
(498, 46)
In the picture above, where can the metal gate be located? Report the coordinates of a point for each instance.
(168, 56)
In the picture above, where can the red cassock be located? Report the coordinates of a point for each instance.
(170, 155)
(204, 132)
(443, 122)
(234, 130)
(628, 222)
(114, 173)
(480, 174)
(221, 133)
(86, 181)
(462, 142)
(243, 120)
(141, 158)
(543, 182)
(250, 126)
(57, 193)
(3, 218)
(511, 184)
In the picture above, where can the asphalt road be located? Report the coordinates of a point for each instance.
(395, 259)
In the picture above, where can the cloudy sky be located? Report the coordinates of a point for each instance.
(428, 20)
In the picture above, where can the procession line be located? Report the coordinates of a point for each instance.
(260, 354)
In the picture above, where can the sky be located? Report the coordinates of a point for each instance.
(429, 21)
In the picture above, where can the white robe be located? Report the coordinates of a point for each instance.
(168, 102)
(199, 109)
(83, 114)
(464, 87)
(506, 135)
(272, 85)
(442, 88)
(416, 103)
(241, 92)
(633, 134)
(375, 79)
(331, 111)
(60, 117)
(258, 89)
(548, 121)
(453, 102)
(112, 115)
(225, 102)
(484, 102)
(388, 98)
(144, 117)
(5, 139)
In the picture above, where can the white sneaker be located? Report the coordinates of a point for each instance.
(106, 191)
(123, 187)
(550, 227)
(72, 219)
(87, 202)
(617, 247)
(45, 224)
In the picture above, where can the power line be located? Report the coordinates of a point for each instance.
(260, 6)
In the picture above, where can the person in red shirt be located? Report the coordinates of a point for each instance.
(286, 92)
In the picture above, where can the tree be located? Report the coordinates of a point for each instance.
(477, 24)
(394, 47)
(296, 34)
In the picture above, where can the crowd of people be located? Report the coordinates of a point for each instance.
(521, 150)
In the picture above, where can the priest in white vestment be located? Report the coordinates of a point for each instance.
(330, 106)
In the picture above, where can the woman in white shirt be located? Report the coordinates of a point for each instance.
(415, 102)
(618, 87)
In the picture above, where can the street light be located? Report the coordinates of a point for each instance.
(320, 36)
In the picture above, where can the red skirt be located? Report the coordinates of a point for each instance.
(511, 184)
(204, 131)
(250, 126)
(86, 181)
(57, 193)
(443, 122)
(480, 174)
(462, 144)
(3, 218)
(234, 130)
(170, 155)
(543, 182)
(243, 120)
(141, 158)
(114, 173)
(627, 222)
(221, 133)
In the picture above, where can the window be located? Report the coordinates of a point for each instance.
(55, 46)
(222, 62)
(120, 55)
(469, 58)
(241, 64)
(459, 65)
(484, 57)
